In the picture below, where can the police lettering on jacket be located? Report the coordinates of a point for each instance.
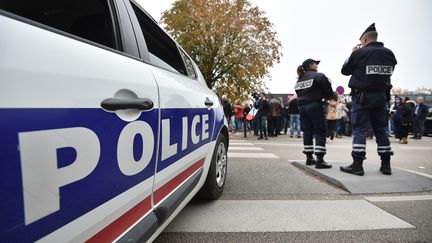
(313, 87)
(371, 68)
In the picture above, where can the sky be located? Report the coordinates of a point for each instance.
(327, 31)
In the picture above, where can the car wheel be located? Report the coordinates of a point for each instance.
(215, 182)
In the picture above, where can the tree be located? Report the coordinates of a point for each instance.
(232, 42)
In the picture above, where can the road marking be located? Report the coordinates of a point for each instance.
(281, 144)
(253, 155)
(333, 145)
(416, 172)
(246, 148)
(283, 216)
(399, 198)
(238, 141)
(241, 144)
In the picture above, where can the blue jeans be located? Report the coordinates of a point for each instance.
(313, 124)
(262, 123)
(373, 109)
(238, 124)
(295, 124)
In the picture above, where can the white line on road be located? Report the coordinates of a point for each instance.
(399, 198)
(284, 216)
(346, 146)
(246, 148)
(238, 141)
(253, 155)
(281, 144)
(241, 144)
(416, 172)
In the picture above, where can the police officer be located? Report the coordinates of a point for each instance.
(311, 88)
(370, 66)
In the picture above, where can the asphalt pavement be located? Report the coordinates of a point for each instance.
(268, 199)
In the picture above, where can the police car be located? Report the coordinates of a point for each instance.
(107, 126)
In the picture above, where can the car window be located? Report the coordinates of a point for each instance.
(189, 66)
(163, 49)
(89, 19)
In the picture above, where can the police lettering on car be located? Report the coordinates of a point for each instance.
(311, 88)
(370, 66)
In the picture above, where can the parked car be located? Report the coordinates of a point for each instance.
(108, 128)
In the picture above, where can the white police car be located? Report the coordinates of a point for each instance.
(107, 126)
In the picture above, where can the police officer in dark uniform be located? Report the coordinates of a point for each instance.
(370, 66)
(311, 88)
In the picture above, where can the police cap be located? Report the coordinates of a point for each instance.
(369, 29)
(309, 61)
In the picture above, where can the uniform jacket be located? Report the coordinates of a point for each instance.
(313, 87)
(331, 110)
(422, 112)
(371, 68)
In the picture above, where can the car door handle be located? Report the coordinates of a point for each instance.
(112, 104)
(208, 102)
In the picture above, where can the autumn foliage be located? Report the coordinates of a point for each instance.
(230, 40)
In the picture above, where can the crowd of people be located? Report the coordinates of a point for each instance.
(407, 116)
(276, 117)
(270, 116)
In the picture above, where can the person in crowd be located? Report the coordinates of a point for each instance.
(255, 121)
(331, 116)
(407, 118)
(370, 66)
(263, 110)
(226, 103)
(342, 117)
(420, 113)
(274, 116)
(311, 88)
(238, 115)
(294, 117)
(348, 131)
(246, 110)
(395, 113)
(286, 117)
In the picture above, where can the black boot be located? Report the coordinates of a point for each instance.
(385, 165)
(320, 163)
(355, 168)
(310, 159)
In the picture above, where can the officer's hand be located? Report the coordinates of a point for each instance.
(355, 48)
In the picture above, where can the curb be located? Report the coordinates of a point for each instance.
(320, 175)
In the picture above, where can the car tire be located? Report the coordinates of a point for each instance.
(215, 181)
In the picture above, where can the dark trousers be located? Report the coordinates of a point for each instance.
(286, 122)
(373, 109)
(340, 127)
(419, 127)
(331, 128)
(397, 129)
(275, 121)
(262, 124)
(405, 129)
(313, 124)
